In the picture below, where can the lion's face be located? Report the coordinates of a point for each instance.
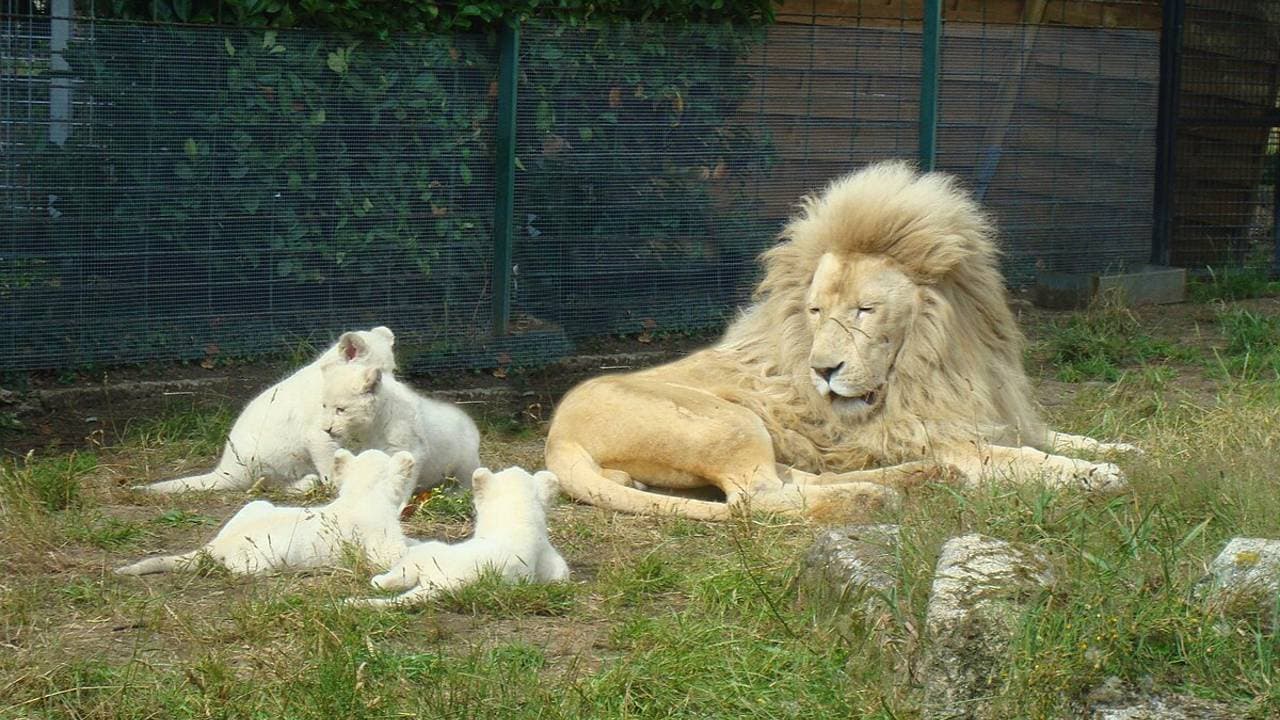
(860, 309)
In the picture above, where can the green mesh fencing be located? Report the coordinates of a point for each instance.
(205, 192)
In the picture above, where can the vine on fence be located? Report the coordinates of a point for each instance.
(285, 167)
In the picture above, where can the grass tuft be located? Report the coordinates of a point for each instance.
(491, 595)
(49, 484)
(1101, 343)
(1231, 284)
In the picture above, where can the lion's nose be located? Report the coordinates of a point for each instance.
(826, 372)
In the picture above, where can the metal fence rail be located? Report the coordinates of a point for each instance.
(237, 190)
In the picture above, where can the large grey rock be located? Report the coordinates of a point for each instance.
(853, 568)
(982, 589)
(1247, 571)
(1116, 701)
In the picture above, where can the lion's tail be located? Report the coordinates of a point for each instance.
(581, 478)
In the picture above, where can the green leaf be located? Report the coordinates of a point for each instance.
(520, 164)
(268, 39)
(231, 49)
(546, 117)
(275, 49)
(338, 61)
(465, 173)
(191, 148)
(317, 117)
(584, 132)
(295, 180)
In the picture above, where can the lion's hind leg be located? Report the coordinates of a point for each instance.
(903, 476)
(674, 437)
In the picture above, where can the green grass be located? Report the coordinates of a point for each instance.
(1230, 284)
(1102, 343)
(50, 484)
(663, 618)
(1253, 343)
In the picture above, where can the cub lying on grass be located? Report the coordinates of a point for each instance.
(278, 435)
(510, 539)
(366, 408)
(263, 538)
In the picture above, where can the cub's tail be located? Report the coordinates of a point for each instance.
(164, 563)
(581, 478)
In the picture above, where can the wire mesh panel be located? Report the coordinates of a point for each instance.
(235, 190)
(1225, 150)
(1054, 129)
(655, 164)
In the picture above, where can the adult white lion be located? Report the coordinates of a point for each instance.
(880, 349)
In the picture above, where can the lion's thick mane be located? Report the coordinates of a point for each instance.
(959, 376)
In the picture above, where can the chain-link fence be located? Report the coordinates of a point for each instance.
(1222, 201)
(186, 192)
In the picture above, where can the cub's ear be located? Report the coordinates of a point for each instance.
(548, 486)
(342, 458)
(480, 479)
(352, 347)
(402, 464)
(372, 378)
(385, 333)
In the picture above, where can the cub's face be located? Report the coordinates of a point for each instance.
(859, 310)
(349, 401)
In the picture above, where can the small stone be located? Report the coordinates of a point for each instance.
(982, 589)
(1114, 700)
(1245, 574)
(853, 568)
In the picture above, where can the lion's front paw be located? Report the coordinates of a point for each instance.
(1120, 449)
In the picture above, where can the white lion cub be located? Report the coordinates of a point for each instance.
(510, 539)
(263, 538)
(276, 436)
(364, 407)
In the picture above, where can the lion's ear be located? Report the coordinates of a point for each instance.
(548, 486)
(385, 333)
(372, 378)
(828, 270)
(341, 459)
(403, 463)
(352, 347)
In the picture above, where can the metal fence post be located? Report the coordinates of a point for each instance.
(1275, 215)
(1166, 130)
(930, 69)
(60, 85)
(505, 175)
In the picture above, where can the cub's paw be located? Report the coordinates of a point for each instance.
(1102, 478)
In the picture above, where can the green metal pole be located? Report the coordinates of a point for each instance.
(505, 175)
(930, 69)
